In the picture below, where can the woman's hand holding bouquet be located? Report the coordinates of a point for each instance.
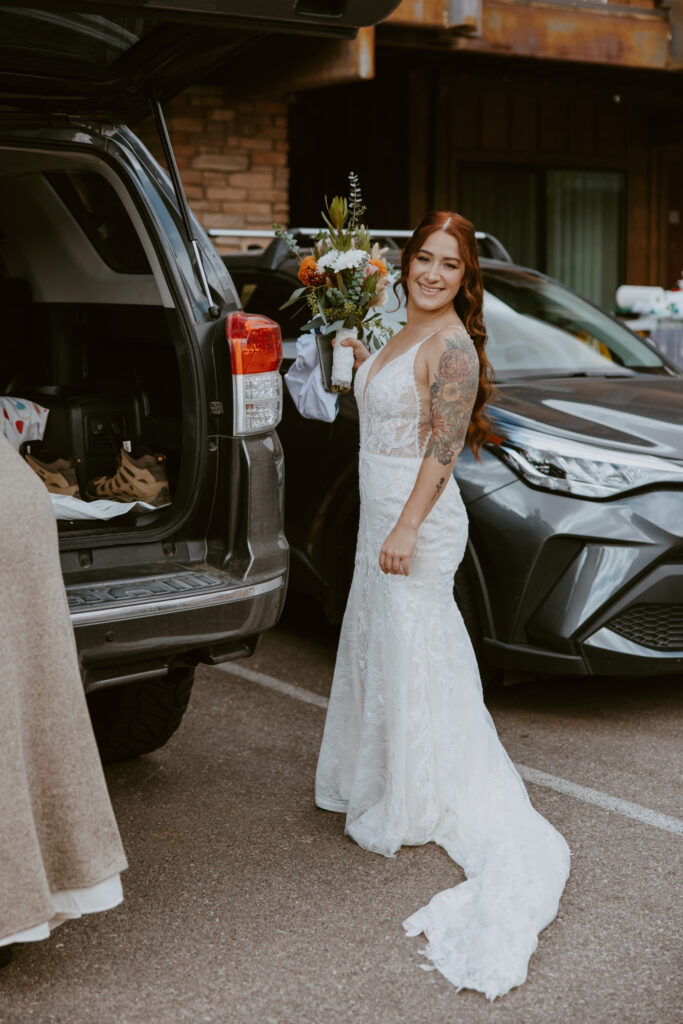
(360, 350)
(342, 281)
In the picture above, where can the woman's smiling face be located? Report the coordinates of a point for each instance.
(436, 273)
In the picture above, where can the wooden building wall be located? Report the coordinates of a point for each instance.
(545, 122)
(409, 132)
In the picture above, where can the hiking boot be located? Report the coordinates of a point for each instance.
(59, 476)
(136, 479)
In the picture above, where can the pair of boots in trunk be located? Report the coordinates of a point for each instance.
(139, 477)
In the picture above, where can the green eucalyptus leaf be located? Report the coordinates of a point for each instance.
(293, 298)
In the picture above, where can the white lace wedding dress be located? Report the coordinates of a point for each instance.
(410, 752)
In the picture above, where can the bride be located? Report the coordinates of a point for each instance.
(410, 753)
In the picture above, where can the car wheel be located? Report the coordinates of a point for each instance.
(463, 592)
(138, 718)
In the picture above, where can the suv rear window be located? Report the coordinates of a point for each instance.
(102, 217)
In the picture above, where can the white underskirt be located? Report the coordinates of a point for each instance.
(72, 903)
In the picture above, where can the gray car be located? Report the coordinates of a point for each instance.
(119, 317)
(575, 557)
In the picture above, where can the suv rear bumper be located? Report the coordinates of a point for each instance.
(132, 629)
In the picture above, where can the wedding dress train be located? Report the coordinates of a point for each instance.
(410, 752)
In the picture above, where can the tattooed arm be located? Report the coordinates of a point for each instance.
(452, 370)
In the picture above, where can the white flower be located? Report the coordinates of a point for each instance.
(327, 262)
(353, 258)
(337, 261)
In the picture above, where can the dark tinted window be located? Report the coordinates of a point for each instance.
(102, 216)
(264, 292)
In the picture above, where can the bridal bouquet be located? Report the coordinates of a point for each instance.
(343, 281)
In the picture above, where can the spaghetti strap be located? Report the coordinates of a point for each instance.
(458, 327)
(418, 345)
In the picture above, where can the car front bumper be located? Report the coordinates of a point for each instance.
(581, 587)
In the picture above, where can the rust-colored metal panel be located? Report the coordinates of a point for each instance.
(636, 38)
(459, 15)
(423, 13)
(632, 36)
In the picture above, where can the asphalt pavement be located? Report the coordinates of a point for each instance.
(244, 903)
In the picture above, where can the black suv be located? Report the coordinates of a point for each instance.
(120, 318)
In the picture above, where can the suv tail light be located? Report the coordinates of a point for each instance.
(256, 352)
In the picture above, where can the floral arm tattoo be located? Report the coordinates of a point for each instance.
(451, 397)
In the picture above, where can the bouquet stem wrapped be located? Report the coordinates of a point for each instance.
(342, 359)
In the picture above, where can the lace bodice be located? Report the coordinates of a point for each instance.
(394, 415)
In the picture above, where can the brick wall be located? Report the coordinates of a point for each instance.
(233, 159)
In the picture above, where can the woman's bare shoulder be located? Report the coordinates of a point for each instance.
(454, 333)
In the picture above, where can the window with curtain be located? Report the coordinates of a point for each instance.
(566, 223)
(584, 232)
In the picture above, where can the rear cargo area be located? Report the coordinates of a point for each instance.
(90, 331)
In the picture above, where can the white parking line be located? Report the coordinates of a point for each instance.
(271, 683)
(589, 796)
(604, 800)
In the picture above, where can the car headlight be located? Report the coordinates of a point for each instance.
(569, 467)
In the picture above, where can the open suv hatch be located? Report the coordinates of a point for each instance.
(122, 321)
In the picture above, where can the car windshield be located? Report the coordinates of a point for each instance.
(538, 328)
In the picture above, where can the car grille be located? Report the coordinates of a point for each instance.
(659, 626)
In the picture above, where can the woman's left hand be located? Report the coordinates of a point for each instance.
(398, 550)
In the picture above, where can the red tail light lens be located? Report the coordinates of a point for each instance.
(255, 343)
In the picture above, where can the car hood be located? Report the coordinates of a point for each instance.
(643, 413)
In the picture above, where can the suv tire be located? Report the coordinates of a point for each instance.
(138, 718)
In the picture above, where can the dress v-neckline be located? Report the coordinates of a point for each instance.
(417, 344)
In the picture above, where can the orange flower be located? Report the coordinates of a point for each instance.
(380, 266)
(308, 272)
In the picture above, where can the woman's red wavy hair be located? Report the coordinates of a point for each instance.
(467, 304)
